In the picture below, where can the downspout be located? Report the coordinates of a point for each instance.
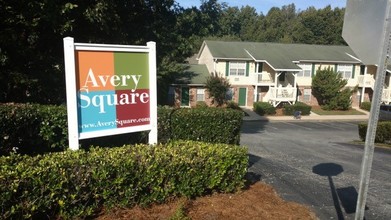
(294, 85)
(214, 67)
(275, 88)
(256, 82)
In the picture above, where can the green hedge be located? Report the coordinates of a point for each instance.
(383, 131)
(214, 125)
(24, 127)
(298, 106)
(366, 106)
(78, 184)
(34, 129)
(264, 108)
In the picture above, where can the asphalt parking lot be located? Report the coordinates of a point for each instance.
(316, 164)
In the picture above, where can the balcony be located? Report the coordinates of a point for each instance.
(282, 94)
(366, 81)
(263, 79)
(386, 96)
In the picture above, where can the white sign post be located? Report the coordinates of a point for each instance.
(367, 31)
(111, 89)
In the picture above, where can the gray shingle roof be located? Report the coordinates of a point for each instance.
(281, 56)
(194, 74)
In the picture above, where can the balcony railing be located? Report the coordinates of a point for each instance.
(283, 94)
(386, 96)
(366, 80)
(264, 78)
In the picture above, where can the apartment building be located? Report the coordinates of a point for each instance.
(275, 72)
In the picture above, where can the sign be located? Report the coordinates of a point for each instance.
(111, 89)
(367, 30)
(363, 28)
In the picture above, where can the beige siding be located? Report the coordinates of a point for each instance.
(207, 59)
(243, 80)
(220, 68)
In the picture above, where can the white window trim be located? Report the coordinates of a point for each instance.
(345, 70)
(304, 95)
(306, 70)
(200, 92)
(236, 66)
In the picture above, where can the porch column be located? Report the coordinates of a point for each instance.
(256, 93)
(276, 78)
(275, 84)
(294, 85)
(363, 87)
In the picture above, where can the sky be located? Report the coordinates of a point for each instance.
(263, 6)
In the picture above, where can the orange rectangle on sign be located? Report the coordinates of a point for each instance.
(94, 70)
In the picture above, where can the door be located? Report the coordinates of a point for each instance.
(242, 96)
(185, 96)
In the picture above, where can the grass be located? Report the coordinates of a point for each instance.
(319, 111)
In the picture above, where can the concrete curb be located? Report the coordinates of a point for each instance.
(252, 116)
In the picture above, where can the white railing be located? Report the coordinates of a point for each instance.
(264, 78)
(283, 94)
(386, 96)
(366, 80)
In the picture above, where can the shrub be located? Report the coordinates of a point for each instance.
(233, 105)
(217, 88)
(214, 125)
(264, 108)
(34, 129)
(366, 106)
(342, 101)
(383, 131)
(298, 106)
(77, 184)
(201, 104)
(328, 87)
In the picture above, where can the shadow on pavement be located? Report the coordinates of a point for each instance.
(252, 177)
(330, 170)
(348, 197)
(253, 127)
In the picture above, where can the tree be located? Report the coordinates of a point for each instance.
(217, 88)
(329, 89)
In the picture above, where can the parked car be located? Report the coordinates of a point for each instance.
(385, 113)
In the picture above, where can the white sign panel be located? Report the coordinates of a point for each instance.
(111, 89)
(363, 28)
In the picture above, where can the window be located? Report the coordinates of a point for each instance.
(237, 68)
(229, 95)
(171, 95)
(345, 70)
(307, 95)
(306, 70)
(200, 95)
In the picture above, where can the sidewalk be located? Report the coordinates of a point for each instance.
(312, 117)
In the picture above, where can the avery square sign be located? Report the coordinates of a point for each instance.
(108, 92)
(111, 89)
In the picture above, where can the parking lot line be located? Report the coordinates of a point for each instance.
(347, 123)
(330, 126)
(268, 126)
(296, 125)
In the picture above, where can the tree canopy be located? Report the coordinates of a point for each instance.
(31, 50)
